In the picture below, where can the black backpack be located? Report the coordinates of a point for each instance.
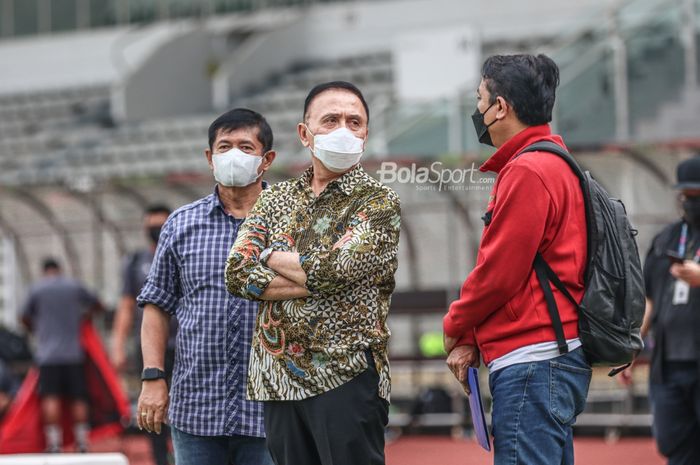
(612, 309)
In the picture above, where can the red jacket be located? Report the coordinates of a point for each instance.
(536, 205)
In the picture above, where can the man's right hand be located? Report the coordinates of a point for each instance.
(152, 405)
(461, 358)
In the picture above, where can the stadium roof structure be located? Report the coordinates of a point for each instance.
(87, 58)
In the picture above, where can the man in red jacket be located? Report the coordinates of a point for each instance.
(536, 206)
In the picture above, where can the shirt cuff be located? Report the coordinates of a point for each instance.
(315, 266)
(259, 279)
(161, 298)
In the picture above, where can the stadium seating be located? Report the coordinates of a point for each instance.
(70, 130)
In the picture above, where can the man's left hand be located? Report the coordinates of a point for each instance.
(688, 271)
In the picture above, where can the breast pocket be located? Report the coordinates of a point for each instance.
(202, 264)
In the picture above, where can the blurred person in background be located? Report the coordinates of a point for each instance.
(127, 321)
(9, 384)
(211, 420)
(672, 278)
(536, 206)
(53, 313)
(320, 251)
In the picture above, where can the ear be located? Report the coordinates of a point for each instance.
(304, 135)
(503, 108)
(207, 153)
(268, 158)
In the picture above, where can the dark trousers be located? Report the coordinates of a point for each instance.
(159, 445)
(344, 426)
(676, 408)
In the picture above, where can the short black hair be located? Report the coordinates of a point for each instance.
(242, 118)
(50, 263)
(320, 88)
(158, 208)
(527, 82)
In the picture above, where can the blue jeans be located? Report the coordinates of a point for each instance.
(219, 450)
(534, 407)
(675, 405)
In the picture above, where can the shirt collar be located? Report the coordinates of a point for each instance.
(345, 183)
(515, 144)
(215, 200)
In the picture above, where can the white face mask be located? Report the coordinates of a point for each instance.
(338, 150)
(236, 168)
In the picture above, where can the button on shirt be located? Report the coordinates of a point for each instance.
(305, 347)
(207, 395)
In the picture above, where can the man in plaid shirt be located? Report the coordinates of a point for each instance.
(212, 422)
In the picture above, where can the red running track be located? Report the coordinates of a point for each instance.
(588, 451)
(432, 450)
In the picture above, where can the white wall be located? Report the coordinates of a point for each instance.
(173, 81)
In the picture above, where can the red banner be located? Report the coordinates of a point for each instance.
(21, 431)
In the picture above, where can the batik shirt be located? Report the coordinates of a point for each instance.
(308, 346)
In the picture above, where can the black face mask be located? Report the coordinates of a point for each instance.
(154, 233)
(482, 129)
(691, 211)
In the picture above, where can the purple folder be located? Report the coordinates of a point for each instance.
(478, 419)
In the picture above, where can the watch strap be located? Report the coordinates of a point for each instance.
(150, 374)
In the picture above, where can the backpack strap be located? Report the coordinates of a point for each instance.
(553, 278)
(556, 149)
(551, 147)
(545, 274)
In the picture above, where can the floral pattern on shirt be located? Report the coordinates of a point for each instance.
(305, 347)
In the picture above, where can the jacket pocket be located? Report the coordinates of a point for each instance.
(512, 311)
(523, 299)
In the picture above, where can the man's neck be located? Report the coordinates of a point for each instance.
(237, 201)
(510, 130)
(322, 176)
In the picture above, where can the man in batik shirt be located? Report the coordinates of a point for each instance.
(320, 251)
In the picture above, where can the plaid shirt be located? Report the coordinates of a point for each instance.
(208, 389)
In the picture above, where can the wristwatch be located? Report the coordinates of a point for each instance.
(150, 374)
(265, 255)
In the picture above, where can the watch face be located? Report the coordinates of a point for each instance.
(152, 373)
